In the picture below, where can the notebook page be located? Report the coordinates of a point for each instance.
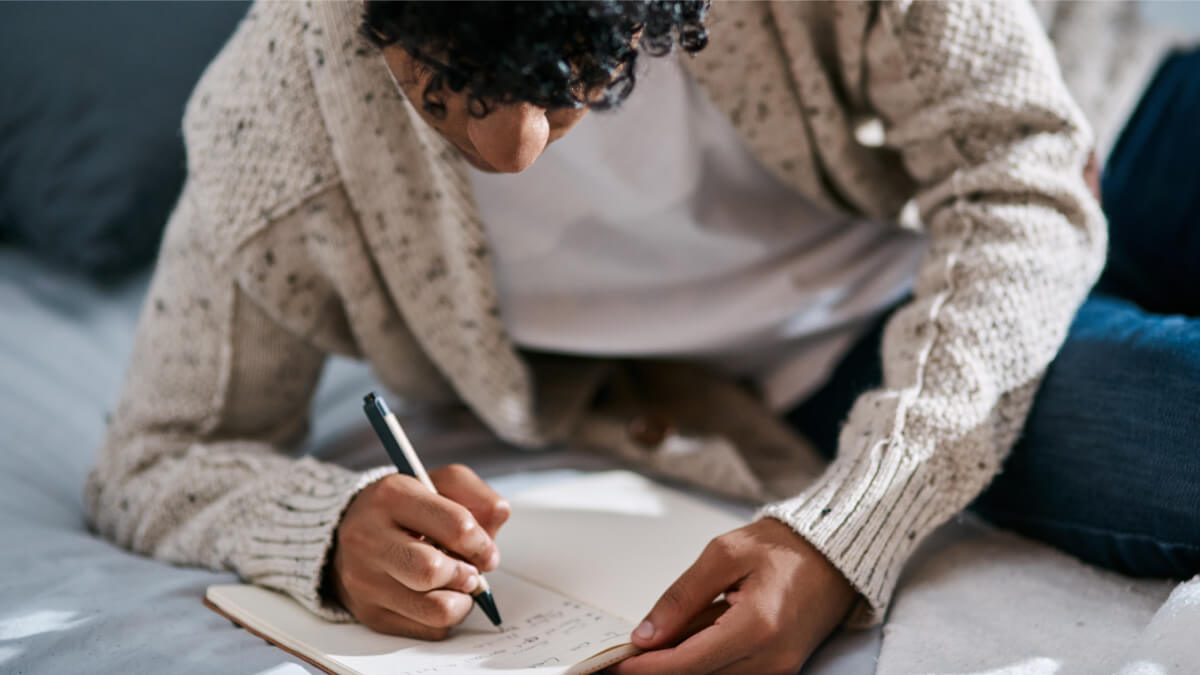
(543, 632)
(614, 540)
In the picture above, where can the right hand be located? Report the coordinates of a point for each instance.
(385, 570)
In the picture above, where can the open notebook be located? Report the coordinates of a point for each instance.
(584, 560)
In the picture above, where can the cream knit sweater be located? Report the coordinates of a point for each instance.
(322, 216)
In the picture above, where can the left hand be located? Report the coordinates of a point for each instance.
(783, 599)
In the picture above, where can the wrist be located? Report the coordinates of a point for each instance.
(328, 586)
(840, 594)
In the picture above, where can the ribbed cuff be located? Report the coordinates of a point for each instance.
(289, 550)
(866, 514)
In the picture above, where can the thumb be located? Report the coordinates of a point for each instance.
(712, 573)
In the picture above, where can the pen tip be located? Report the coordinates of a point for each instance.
(488, 604)
(369, 399)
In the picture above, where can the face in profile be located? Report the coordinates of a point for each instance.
(507, 139)
(502, 80)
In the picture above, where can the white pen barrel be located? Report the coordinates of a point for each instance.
(409, 453)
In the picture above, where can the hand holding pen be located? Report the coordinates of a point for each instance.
(387, 569)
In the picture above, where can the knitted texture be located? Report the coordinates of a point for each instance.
(322, 215)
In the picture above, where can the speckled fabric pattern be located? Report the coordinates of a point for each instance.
(322, 216)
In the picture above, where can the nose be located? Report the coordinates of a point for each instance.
(510, 137)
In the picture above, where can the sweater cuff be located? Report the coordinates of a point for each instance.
(290, 551)
(866, 514)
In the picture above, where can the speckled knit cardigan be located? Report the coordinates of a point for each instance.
(322, 216)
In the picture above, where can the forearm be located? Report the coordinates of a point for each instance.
(1016, 241)
(238, 506)
(193, 469)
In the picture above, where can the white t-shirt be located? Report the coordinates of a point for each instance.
(652, 231)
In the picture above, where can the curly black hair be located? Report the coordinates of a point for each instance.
(560, 54)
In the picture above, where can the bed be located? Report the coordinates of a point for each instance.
(71, 602)
(974, 600)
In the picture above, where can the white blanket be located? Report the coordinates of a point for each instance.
(984, 601)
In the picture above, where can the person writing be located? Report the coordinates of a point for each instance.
(710, 261)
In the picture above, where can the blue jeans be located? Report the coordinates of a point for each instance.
(1108, 465)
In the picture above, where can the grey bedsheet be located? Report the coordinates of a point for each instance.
(73, 603)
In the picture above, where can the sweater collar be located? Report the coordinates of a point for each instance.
(412, 194)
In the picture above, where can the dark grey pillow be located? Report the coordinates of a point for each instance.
(91, 156)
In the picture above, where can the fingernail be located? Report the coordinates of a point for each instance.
(494, 561)
(645, 631)
(501, 511)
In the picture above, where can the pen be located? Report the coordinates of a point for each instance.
(405, 458)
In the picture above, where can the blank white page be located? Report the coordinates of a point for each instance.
(614, 540)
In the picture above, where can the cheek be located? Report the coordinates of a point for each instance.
(451, 124)
(561, 121)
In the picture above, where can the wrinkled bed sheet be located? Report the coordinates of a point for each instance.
(73, 603)
(973, 600)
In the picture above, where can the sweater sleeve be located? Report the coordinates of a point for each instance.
(191, 471)
(970, 96)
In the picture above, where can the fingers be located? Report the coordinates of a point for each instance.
(437, 609)
(381, 620)
(713, 572)
(399, 582)
(784, 597)
(460, 484)
(427, 616)
(707, 617)
(418, 565)
(448, 523)
(712, 649)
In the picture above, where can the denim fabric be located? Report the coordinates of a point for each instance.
(1108, 464)
(1151, 194)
